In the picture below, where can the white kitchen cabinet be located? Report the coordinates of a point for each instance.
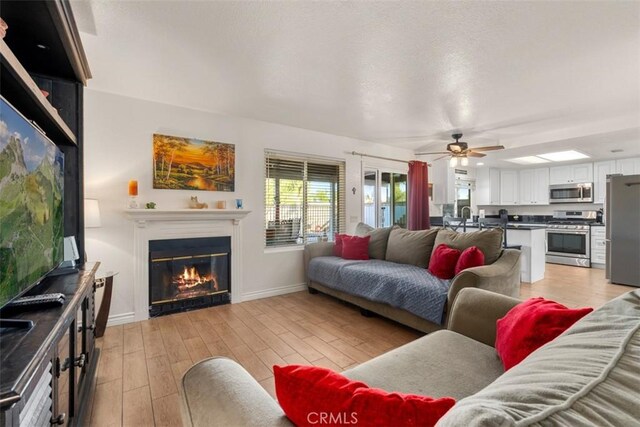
(508, 187)
(628, 166)
(600, 172)
(598, 253)
(534, 187)
(571, 174)
(488, 186)
(541, 183)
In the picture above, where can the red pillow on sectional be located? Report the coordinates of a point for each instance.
(354, 247)
(337, 247)
(443, 261)
(530, 325)
(311, 395)
(470, 257)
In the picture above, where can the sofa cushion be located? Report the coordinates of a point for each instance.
(470, 257)
(411, 247)
(305, 392)
(488, 241)
(379, 239)
(531, 324)
(586, 376)
(443, 363)
(443, 261)
(354, 247)
(402, 286)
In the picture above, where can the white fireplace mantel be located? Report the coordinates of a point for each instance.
(142, 216)
(152, 224)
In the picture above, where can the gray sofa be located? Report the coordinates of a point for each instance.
(588, 376)
(395, 283)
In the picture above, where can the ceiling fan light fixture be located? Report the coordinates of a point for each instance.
(453, 162)
(464, 161)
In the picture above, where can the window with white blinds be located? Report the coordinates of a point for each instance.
(304, 199)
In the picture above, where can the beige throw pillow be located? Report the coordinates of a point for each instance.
(411, 247)
(488, 241)
(379, 239)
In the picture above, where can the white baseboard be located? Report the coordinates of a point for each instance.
(121, 319)
(281, 290)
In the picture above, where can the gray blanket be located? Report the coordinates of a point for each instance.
(403, 286)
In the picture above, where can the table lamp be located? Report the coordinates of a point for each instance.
(92, 213)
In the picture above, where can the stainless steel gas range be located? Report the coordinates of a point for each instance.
(569, 238)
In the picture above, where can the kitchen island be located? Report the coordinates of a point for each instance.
(532, 240)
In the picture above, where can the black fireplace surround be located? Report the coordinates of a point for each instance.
(186, 274)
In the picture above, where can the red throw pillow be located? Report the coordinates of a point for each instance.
(443, 261)
(337, 247)
(530, 325)
(470, 257)
(354, 247)
(311, 396)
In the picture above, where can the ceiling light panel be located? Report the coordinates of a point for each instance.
(528, 160)
(564, 156)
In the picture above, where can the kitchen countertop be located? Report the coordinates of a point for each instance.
(511, 226)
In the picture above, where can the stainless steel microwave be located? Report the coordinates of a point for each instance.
(571, 193)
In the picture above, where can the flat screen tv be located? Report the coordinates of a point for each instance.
(31, 207)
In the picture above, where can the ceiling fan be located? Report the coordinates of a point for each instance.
(460, 150)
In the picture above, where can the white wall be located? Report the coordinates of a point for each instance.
(118, 147)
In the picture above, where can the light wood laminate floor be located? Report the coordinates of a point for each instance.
(141, 363)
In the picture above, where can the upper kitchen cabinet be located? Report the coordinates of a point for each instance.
(488, 186)
(508, 187)
(600, 172)
(572, 173)
(534, 187)
(628, 166)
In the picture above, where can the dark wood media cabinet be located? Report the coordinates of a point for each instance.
(46, 372)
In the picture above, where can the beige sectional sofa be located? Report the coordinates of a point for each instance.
(587, 376)
(501, 273)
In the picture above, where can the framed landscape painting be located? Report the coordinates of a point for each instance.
(192, 164)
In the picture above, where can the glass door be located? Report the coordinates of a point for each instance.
(384, 198)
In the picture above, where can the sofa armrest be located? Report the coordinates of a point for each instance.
(312, 250)
(476, 311)
(503, 277)
(219, 391)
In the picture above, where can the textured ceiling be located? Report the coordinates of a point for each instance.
(405, 74)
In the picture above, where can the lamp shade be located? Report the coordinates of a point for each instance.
(92, 213)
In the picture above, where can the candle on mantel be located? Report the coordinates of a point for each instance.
(133, 187)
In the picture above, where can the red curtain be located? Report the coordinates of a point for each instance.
(418, 196)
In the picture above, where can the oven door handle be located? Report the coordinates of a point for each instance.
(567, 232)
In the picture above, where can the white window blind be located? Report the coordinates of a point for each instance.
(304, 199)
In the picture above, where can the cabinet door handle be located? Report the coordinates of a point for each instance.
(80, 361)
(88, 328)
(66, 365)
(59, 420)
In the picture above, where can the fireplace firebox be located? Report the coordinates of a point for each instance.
(186, 274)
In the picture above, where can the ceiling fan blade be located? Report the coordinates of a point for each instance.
(440, 158)
(489, 148)
(435, 152)
(474, 154)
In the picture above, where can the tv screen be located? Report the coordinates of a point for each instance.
(31, 208)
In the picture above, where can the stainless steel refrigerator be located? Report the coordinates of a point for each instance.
(622, 228)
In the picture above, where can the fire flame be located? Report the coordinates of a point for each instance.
(190, 275)
(190, 278)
